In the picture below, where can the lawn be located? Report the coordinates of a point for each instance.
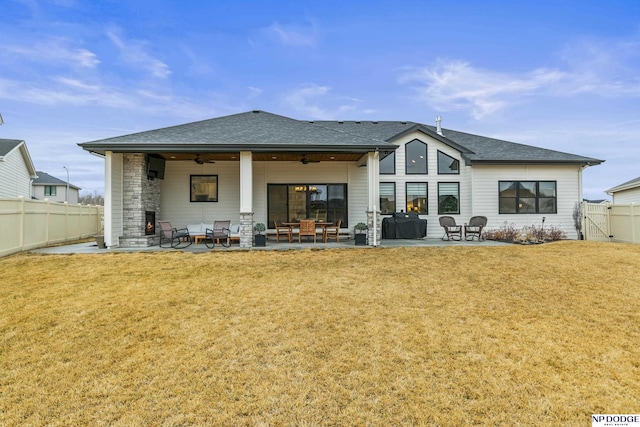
(514, 335)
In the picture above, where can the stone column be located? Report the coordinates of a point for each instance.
(246, 230)
(140, 194)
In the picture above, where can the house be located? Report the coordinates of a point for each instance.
(627, 192)
(46, 186)
(257, 167)
(16, 169)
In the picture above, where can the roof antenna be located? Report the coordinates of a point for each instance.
(438, 128)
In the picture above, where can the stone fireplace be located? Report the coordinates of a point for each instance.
(140, 203)
(150, 221)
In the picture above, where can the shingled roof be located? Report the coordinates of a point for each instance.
(46, 179)
(262, 131)
(7, 145)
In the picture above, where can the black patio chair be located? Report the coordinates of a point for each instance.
(219, 233)
(452, 231)
(175, 236)
(474, 228)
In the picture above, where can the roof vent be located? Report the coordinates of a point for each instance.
(255, 111)
(438, 123)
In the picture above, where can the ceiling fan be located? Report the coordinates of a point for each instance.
(200, 161)
(306, 161)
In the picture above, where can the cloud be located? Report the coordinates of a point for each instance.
(135, 53)
(307, 99)
(293, 36)
(55, 50)
(456, 85)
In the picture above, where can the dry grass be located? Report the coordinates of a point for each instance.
(542, 335)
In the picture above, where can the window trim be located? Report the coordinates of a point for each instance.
(395, 197)
(537, 197)
(51, 187)
(452, 158)
(194, 180)
(440, 211)
(392, 155)
(406, 158)
(426, 196)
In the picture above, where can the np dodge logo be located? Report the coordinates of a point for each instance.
(615, 420)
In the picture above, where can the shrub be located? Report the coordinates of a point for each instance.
(528, 234)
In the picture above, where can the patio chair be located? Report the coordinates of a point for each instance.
(282, 230)
(173, 235)
(220, 231)
(307, 228)
(474, 228)
(332, 232)
(451, 230)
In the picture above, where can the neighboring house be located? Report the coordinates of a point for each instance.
(628, 192)
(16, 169)
(260, 167)
(49, 187)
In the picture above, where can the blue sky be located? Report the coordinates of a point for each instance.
(563, 75)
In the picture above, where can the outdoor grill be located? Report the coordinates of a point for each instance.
(404, 225)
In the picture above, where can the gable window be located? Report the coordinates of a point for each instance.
(447, 164)
(448, 198)
(293, 202)
(417, 197)
(416, 157)
(527, 197)
(388, 164)
(50, 190)
(387, 197)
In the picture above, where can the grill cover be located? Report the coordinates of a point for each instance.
(404, 225)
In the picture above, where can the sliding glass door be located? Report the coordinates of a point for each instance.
(293, 202)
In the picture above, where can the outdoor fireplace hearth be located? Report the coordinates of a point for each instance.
(150, 223)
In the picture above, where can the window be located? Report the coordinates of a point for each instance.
(387, 197)
(448, 198)
(416, 155)
(388, 164)
(417, 197)
(204, 188)
(447, 164)
(527, 197)
(293, 202)
(50, 190)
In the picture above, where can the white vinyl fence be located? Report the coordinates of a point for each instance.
(29, 224)
(605, 222)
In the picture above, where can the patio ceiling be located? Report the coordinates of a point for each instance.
(265, 156)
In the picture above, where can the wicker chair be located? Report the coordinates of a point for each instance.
(173, 235)
(474, 228)
(451, 230)
(282, 230)
(332, 232)
(220, 232)
(307, 228)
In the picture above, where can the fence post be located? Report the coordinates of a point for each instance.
(22, 214)
(633, 222)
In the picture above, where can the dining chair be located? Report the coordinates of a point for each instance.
(307, 228)
(282, 230)
(332, 232)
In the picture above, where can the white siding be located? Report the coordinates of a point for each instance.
(15, 179)
(631, 195)
(175, 205)
(485, 195)
(174, 189)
